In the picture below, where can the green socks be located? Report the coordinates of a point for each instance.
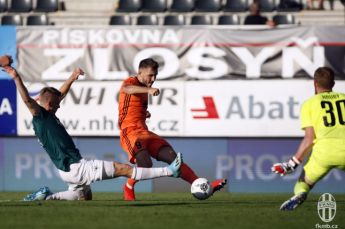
(300, 187)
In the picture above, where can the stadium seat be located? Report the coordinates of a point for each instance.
(154, 5)
(267, 5)
(12, 20)
(3, 5)
(41, 19)
(232, 19)
(290, 6)
(47, 6)
(147, 20)
(129, 6)
(208, 5)
(174, 20)
(21, 6)
(281, 19)
(182, 6)
(236, 6)
(120, 20)
(201, 20)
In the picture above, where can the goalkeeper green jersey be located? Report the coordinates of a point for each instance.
(326, 113)
(55, 140)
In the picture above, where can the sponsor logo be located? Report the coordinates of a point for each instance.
(8, 108)
(210, 109)
(66, 47)
(326, 207)
(248, 108)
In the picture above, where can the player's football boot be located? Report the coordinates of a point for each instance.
(175, 166)
(218, 184)
(294, 202)
(40, 194)
(128, 193)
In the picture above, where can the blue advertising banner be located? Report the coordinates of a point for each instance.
(27, 166)
(246, 162)
(1, 164)
(8, 108)
(8, 45)
(248, 166)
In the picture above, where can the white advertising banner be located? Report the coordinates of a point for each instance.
(260, 108)
(91, 109)
(229, 108)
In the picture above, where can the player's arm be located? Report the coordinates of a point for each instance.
(306, 144)
(31, 104)
(134, 89)
(68, 83)
(302, 151)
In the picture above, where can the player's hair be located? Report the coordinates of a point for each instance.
(324, 77)
(149, 63)
(254, 7)
(48, 91)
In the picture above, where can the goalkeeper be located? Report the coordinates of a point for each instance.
(323, 120)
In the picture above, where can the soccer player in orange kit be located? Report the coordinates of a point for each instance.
(140, 143)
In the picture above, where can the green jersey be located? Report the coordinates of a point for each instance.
(55, 140)
(326, 113)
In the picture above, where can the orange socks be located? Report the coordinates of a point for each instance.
(188, 174)
(130, 183)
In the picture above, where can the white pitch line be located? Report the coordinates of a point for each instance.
(5, 201)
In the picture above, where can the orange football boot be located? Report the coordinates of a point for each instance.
(128, 193)
(218, 184)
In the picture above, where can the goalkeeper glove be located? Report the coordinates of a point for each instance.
(286, 167)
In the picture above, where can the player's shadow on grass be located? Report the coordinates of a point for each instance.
(182, 203)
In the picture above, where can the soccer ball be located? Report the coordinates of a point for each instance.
(201, 189)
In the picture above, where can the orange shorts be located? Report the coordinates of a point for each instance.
(134, 140)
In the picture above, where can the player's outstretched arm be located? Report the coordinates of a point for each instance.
(68, 83)
(302, 151)
(133, 89)
(31, 104)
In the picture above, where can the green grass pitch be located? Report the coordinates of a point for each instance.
(165, 210)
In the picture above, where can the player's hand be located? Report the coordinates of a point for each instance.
(148, 114)
(153, 91)
(286, 167)
(11, 71)
(5, 60)
(76, 73)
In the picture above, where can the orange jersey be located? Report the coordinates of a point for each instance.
(132, 108)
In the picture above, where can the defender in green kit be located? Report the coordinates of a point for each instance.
(52, 134)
